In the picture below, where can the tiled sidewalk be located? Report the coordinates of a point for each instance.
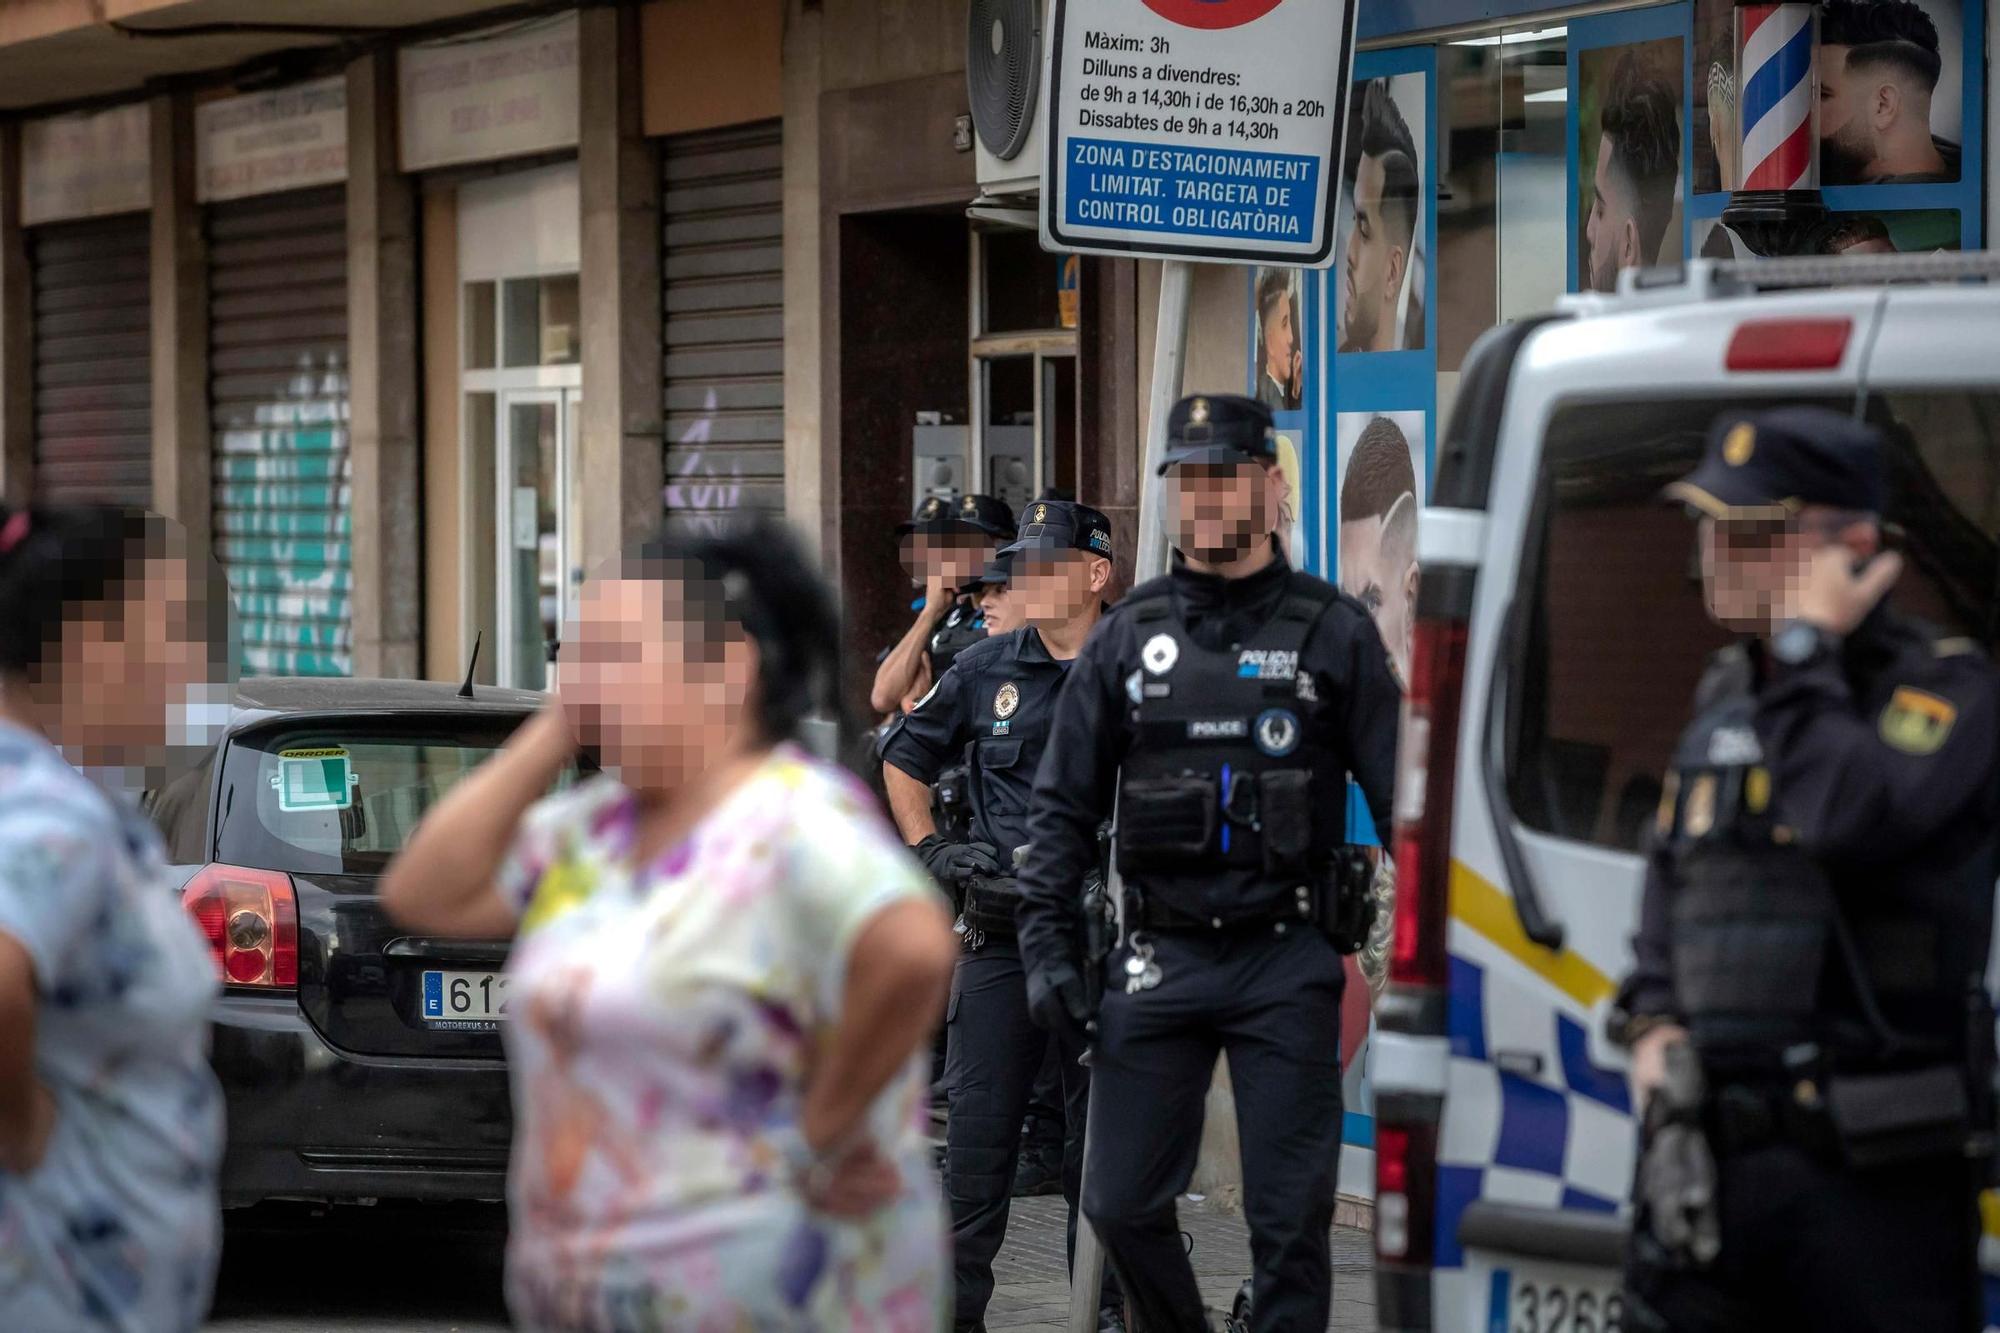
(1031, 1287)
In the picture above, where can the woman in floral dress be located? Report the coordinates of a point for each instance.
(724, 964)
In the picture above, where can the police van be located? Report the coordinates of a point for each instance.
(1560, 638)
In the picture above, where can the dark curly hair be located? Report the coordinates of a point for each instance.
(1641, 121)
(750, 571)
(59, 565)
(1892, 33)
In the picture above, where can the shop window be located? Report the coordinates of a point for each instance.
(1503, 192)
(1616, 635)
(1022, 284)
(481, 337)
(540, 325)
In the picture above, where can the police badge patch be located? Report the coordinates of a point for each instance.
(1006, 701)
(1277, 732)
(1916, 722)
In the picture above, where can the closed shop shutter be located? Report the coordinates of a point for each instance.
(278, 399)
(93, 362)
(725, 323)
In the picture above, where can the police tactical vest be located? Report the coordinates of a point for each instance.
(963, 626)
(1765, 952)
(1224, 770)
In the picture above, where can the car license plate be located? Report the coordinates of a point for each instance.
(1546, 1298)
(465, 1001)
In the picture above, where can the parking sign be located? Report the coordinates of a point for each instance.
(1196, 129)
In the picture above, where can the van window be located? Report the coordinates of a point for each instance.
(1611, 636)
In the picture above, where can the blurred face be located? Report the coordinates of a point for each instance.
(1753, 569)
(1370, 259)
(650, 684)
(1219, 512)
(1611, 236)
(1053, 587)
(128, 668)
(1280, 340)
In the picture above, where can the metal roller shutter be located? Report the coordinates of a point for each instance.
(278, 398)
(725, 322)
(93, 361)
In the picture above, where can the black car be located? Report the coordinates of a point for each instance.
(360, 1061)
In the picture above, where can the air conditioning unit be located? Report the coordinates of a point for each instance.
(1003, 75)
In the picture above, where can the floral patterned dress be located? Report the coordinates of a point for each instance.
(118, 1230)
(665, 1023)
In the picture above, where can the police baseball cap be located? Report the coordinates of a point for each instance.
(1219, 428)
(937, 516)
(1771, 464)
(1062, 525)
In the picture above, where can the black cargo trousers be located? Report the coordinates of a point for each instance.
(991, 1064)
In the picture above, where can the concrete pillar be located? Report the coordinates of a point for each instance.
(622, 464)
(183, 454)
(17, 309)
(383, 379)
(805, 462)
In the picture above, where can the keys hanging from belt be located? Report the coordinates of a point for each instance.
(974, 937)
(1141, 971)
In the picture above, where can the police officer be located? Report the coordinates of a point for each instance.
(945, 545)
(1809, 1030)
(1224, 706)
(998, 702)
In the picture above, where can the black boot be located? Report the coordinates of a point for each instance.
(1039, 1171)
(1239, 1311)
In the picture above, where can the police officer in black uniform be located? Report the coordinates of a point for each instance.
(958, 540)
(997, 702)
(1224, 706)
(1807, 1017)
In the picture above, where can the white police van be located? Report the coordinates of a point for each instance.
(1560, 637)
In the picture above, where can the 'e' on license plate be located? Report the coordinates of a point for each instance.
(469, 999)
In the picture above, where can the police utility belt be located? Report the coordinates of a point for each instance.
(1224, 774)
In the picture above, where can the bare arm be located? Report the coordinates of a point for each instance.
(898, 975)
(26, 1112)
(443, 881)
(896, 678)
(910, 803)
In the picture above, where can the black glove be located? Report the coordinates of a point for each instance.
(952, 863)
(1057, 1003)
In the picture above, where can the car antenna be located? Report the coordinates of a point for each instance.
(465, 690)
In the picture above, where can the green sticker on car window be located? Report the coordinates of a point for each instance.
(321, 778)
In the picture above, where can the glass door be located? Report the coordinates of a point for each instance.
(536, 432)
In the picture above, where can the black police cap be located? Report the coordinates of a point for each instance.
(1771, 464)
(1219, 428)
(981, 513)
(1062, 525)
(998, 573)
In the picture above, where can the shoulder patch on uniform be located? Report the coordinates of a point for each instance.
(1916, 721)
(1956, 647)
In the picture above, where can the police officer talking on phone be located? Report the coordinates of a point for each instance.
(997, 704)
(1811, 1038)
(1223, 707)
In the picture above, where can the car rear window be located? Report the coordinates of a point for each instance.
(1612, 635)
(343, 799)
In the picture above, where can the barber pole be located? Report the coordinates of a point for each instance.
(1776, 49)
(1776, 207)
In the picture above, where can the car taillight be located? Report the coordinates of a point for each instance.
(1405, 1192)
(1425, 781)
(1789, 344)
(251, 921)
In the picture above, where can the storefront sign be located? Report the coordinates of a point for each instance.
(262, 143)
(86, 166)
(1196, 129)
(503, 97)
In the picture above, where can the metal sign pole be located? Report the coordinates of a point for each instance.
(1169, 359)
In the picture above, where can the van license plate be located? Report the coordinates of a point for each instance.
(1542, 1298)
(465, 1001)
